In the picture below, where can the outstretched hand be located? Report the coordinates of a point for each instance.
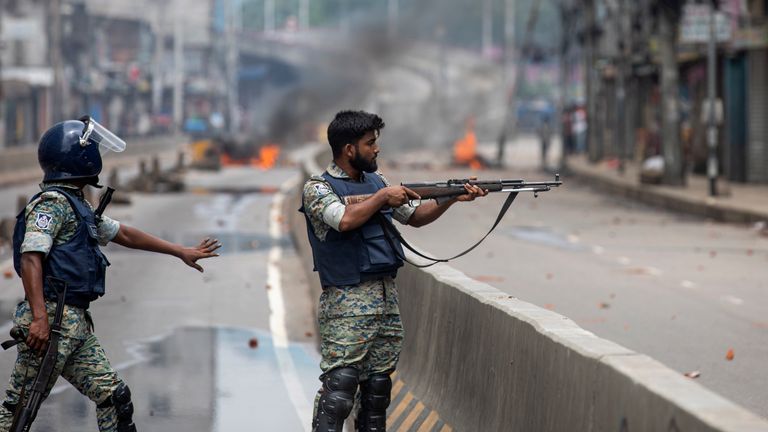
(206, 249)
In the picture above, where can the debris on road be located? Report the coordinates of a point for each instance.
(729, 355)
(253, 343)
(692, 374)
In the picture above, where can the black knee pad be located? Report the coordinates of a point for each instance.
(374, 400)
(339, 387)
(121, 400)
(376, 392)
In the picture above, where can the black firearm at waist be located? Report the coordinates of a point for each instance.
(455, 187)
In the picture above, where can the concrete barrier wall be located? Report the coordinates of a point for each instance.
(489, 362)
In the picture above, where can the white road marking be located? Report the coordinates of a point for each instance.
(653, 271)
(732, 300)
(301, 404)
(688, 284)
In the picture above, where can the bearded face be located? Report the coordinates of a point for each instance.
(361, 163)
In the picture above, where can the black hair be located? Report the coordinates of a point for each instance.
(349, 126)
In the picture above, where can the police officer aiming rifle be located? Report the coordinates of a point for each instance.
(360, 328)
(56, 244)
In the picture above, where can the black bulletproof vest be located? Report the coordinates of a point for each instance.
(348, 258)
(79, 262)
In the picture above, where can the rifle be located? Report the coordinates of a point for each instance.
(104, 201)
(27, 409)
(452, 189)
(455, 187)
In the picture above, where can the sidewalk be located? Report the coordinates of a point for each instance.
(738, 203)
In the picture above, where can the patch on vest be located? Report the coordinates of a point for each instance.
(43, 220)
(322, 189)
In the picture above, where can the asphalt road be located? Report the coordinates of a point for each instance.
(229, 349)
(681, 289)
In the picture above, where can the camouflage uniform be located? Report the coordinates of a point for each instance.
(81, 360)
(360, 324)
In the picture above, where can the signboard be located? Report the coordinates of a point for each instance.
(20, 28)
(695, 25)
(751, 37)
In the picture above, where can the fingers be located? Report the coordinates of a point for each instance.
(209, 245)
(473, 192)
(197, 267)
(411, 194)
(36, 343)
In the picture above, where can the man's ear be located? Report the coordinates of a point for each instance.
(348, 150)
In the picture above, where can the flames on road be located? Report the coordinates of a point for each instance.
(266, 159)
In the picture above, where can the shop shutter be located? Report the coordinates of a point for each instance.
(757, 159)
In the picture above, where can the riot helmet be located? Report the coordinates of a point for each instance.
(73, 149)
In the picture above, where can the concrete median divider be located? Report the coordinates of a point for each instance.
(486, 361)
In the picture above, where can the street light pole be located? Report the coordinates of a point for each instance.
(712, 95)
(178, 68)
(233, 54)
(621, 89)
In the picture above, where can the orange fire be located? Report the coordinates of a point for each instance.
(465, 149)
(268, 155)
(266, 159)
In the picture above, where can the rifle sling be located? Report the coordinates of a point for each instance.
(390, 228)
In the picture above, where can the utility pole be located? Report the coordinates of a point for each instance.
(157, 81)
(2, 94)
(509, 61)
(510, 119)
(57, 101)
(509, 39)
(178, 67)
(712, 96)
(393, 17)
(670, 128)
(565, 25)
(233, 54)
(621, 89)
(594, 146)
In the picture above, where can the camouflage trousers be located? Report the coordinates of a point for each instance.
(360, 327)
(81, 361)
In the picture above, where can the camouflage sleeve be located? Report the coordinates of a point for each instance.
(107, 230)
(322, 206)
(45, 218)
(403, 213)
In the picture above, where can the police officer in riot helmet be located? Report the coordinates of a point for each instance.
(360, 328)
(58, 235)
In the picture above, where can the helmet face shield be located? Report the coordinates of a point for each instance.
(95, 133)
